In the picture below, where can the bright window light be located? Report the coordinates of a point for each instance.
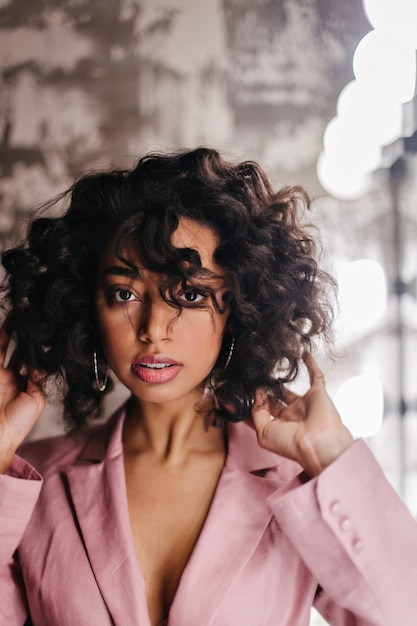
(360, 402)
(362, 295)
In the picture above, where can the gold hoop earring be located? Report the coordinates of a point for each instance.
(229, 356)
(100, 385)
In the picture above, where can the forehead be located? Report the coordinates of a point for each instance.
(189, 234)
(192, 234)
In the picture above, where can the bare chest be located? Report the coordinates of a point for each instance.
(167, 508)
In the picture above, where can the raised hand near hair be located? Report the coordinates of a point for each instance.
(21, 402)
(307, 429)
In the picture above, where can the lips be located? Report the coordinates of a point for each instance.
(155, 369)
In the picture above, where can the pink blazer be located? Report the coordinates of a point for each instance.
(273, 543)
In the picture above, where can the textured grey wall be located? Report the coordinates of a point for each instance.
(87, 83)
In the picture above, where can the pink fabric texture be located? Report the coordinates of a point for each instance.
(273, 544)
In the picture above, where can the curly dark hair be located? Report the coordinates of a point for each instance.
(278, 298)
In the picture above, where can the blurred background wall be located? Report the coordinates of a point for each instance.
(95, 83)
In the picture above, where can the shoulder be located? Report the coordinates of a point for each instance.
(49, 454)
(46, 453)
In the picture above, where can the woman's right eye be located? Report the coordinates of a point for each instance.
(120, 294)
(125, 295)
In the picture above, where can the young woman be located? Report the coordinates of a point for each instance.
(216, 496)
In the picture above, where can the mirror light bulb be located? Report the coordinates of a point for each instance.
(360, 402)
(386, 65)
(362, 295)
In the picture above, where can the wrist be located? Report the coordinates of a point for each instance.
(5, 463)
(317, 453)
(7, 453)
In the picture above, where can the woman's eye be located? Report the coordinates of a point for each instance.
(192, 296)
(122, 295)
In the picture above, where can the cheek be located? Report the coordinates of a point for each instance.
(112, 333)
(203, 330)
(109, 341)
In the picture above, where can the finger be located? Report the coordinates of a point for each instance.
(15, 365)
(5, 334)
(38, 379)
(293, 411)
(26, 410)
(261, 414)
(280, 408)
(275, 405)
(289, 396)
(36, 392)
(314, 372)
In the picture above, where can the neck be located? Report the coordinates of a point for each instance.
(171, 433)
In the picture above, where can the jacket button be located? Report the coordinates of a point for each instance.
(345, 523)
(357, 544)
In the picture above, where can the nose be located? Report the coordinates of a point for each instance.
(156, 321)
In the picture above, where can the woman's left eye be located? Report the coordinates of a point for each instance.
(192, 296)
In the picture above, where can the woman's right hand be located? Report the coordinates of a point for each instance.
(21, 402)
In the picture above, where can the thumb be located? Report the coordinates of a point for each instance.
(261, 413)
(36, 392)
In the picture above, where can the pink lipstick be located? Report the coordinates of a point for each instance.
(155, 368)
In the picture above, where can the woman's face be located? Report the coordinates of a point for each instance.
(159, 353)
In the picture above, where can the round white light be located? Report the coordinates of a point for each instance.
(362, 295)
(350, 146)
(379, 120)
(398, 16)
(340, 181)
(386, 64)
(360, 402)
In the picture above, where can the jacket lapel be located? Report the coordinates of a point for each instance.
(237, 520)
(97, 489)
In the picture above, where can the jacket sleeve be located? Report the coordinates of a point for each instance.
(19, 491)
(357, 538)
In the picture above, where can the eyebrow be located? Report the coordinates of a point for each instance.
(135, 274)
(120, 270)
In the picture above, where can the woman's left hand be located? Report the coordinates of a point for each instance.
(307, 429)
